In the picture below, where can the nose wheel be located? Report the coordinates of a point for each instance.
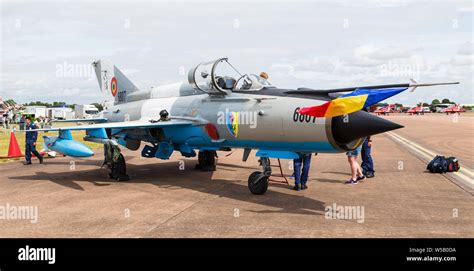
(258, 181)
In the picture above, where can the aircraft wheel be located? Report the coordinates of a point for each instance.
(258, 183)
(207, 161)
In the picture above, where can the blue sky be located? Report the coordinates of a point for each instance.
(47, 46)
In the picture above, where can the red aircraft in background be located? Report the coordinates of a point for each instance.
(385, 110)
(416, 110)
(456, 108)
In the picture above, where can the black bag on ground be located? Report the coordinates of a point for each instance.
(441, 164)
(453, 164)
(437, 165)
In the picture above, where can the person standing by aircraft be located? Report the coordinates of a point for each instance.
(367, 162)
(301, 176)
(30, 146)
(10, 117)
(5, 120)
(22, 123)
(263, 79)
(356, 171)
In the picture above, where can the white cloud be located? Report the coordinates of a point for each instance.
(300, 44)
(466, 9)
(466, 49)
(462, 60)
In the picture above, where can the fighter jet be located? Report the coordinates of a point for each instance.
(418, 110)
(455, 108)
(385, 110)
(218, 108)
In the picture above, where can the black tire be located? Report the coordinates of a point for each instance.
(210, 159)
(258, 183)
(201, 158)
(206, 161)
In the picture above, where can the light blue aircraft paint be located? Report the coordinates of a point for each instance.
(67, 147)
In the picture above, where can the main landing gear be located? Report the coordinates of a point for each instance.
(118, 169)
(207, 161)
(115, 161)
(258, 181)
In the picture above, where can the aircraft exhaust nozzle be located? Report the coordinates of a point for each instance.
(360, 124)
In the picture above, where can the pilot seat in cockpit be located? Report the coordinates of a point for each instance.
(226, 82)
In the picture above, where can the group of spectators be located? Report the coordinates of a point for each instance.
(358, 172)
(9, 118)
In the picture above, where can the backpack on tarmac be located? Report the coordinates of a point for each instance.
(437, 165)
(453, 164)
(441, 164)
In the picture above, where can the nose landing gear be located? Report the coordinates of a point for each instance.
(258, 181)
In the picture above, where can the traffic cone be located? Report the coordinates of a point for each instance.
(13, 149)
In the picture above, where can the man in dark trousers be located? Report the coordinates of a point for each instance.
(301, 175)
(31, 142)
(367, 162)
(366, 153)
(22, 123)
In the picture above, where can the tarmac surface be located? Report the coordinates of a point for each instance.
(76, 199)
(449, 135)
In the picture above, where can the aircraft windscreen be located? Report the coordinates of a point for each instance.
(226, 75)
(200, 77)
(220, 76)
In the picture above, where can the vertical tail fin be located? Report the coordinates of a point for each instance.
(114, 85)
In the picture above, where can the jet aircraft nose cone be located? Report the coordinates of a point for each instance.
(359, 124)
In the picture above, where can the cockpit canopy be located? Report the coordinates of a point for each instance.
(220, 77)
